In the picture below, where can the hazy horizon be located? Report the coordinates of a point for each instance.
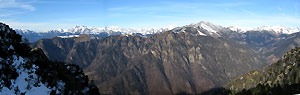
(45, 15)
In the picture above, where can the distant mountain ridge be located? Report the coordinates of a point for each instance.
(33, 36)
(205, 28)
(275, 29)
(264, 40)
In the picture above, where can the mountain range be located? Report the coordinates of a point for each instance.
(266, 40)
(210, 29)
(190, 59)
(33, 36)
(165, 63)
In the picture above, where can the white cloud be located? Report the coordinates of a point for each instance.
(24, 25)
(36, 26)
(11, 7)
(79, 19)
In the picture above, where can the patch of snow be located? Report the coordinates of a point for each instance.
(79, 76)
(11, 47)
(25, 81)
(200, 33)
(294, 64)
(85, 90)
(60, 87)
(7, 91)
(60, 84)
(17, 61)
(208, 28)
(69, 36)
(68, 67)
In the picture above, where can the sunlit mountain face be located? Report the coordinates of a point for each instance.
(156, 47)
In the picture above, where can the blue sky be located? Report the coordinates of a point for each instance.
(43, 15)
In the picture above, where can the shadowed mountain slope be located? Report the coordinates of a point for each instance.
(165, 63)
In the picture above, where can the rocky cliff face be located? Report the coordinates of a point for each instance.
(281, 77)
(27, 71)
(165, 63)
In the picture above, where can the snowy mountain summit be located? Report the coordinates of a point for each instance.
(209, 28)
(111, 30)
(278, 29)
(272, 29)
(215, 29)
(203, 27)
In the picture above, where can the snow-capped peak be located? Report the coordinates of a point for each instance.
(278, 29)
(207, 26)
(210, 28)
(171, 27)
(112, 30)
(238, 29)
(274, 29)
(81, 29)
